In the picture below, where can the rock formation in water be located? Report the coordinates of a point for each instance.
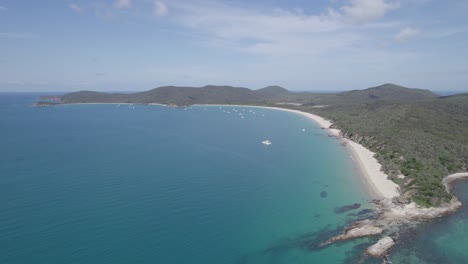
(381, 248)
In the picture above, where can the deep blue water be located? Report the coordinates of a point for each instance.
(151, 184)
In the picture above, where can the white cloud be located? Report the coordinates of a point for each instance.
(406, 34)
(362, 11)
(279, 32)
(75, 7)
(3, 8)
(123, 3)
(160, 9)
(290, 46)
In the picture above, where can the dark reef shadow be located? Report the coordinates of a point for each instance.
(323, 194)
(346, 208)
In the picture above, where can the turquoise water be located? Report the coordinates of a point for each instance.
(151, 184)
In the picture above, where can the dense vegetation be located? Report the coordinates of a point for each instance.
(414, 133)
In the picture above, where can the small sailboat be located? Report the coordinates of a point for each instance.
(266, 142)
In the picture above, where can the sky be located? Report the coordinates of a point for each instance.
(135, 45)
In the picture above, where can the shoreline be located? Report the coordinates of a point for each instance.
(111, 104)
(390, 215)
(374, 180)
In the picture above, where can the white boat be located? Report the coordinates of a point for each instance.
(266, 142)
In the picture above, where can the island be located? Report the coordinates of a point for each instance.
(415, 140)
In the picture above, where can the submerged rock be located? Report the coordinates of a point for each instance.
(380, 248)
(346, 208)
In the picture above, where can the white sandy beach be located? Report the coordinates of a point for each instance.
(375, 179)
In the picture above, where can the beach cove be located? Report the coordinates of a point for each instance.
(315, 238)
(391, 215)
(158, 184)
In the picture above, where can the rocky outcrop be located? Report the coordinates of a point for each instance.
(358, 229)
(391, 214)
(380, 248)
(411, 211)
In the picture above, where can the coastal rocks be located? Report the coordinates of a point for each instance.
(358, 229)
(411, 211)
(381, 248)
(393, 215)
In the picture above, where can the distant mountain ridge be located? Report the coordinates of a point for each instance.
(214, 94)
(210, 94)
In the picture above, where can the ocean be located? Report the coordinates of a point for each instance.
(153, 184)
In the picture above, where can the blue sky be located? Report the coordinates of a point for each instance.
(111, 45)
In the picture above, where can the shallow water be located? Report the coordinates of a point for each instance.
(151, 184)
